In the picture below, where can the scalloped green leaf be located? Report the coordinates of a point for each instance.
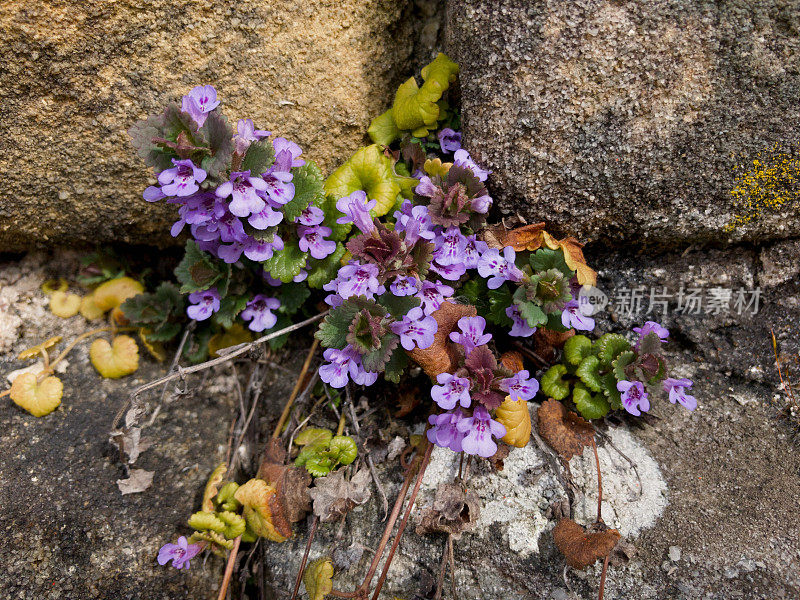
(398, 305)
(234, 524)
(220, 138)
(545, 259)
(319, 465)
(396, 365)
(553, 384)
(375, 360)
(308, 189)
(622, 361)
(322, 271)
(610, 391)
(203, 520)
(609, 346)
(343, 449)
(286, 264)
(258, 158)
(416, 108)
(577, 348)
(333, 330)
(292, 296)
(589, 373)
(383, 130)
(313, 435)
(591, 406)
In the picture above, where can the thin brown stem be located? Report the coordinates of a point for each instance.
(599, 483)
(311, 535)
(603, 578)
(452, 566)
(296, 390)
(442, 571)
(226, 580)
(421, 473)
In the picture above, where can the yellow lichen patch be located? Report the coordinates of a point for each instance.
(38, 398)
(37, 349)
(771, 183)
(55, 285)
(117, 359)
(89, 308)
(515, 417)
(64, 304)
(113, 293)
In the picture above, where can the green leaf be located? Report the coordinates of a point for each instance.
(591, 406)
(577, 348)
(343, 449)
(554, 322)
(396, 365)
(609, 346)
(415, 108)
(286, 264)
(529, 311)
(333, 330)
(375, 360)
(224, 498)
(292, 296)
(164, 332)
(313, 435)
(197, 270)
(650, 344)
(319, 465)
(282, 323)
(228, 309)
(234, 524)
(318, 579)
(368, 170)
(552, 383)
(383, 129)
(220, 138)
(308, 189)
(398, 305)
(196, 350)
(610, 391)
(259, 157)
(545, 259)
(499, 300)
(622, 361)
(339, 231)
(589, 373)
(142, 135)
(203, 520)
(322, 271)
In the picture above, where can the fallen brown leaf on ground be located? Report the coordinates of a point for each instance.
(565, 431)
(583, 547)
(454, 511)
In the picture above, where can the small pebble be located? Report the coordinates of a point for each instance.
(674, 553)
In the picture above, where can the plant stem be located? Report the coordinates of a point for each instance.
(298, 384)
(340, 429)
(599, 483)
(311, 535)
(229, 568)
(603, 578)
(424, 465)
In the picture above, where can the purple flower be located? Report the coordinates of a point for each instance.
(415, 221)
(451, 391)
(449, 247)
(199, 102)
(677, 392)
(634, 398)
(358, 280)
(280, 144)
(499, 267)
(301, 276)
(312, 240)
(230, 253)
(278, 179)
(471, 335)
(204, 304)
(180, 554)
(482, 204)
(450, 272)
(258, 250)
(404, 286)
(444, 432)
(265, 218)
(182, 179)
(463, 159)
(520, 327)
(520, 386)
(651, 327)
(344, 363)
(259, 312)
(356, 210)
(572, 316)
(479, 429)
(415, 329)
(153, 193)
(473, 250)
(247, 133)
(243, 190)
(449, 140)
(432, 295)
(310, 216)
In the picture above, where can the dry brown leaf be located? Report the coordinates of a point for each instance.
(573, 256)
(291, 501)
(408, 399)
(454, 511)
(256, 496)
(512, 360)
(529, 237)
(580, 547)
(334, 496)
(138, 481)
(563, 430)
(441, 357)
(497, 459)
(516, 418)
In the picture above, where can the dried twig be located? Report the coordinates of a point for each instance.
(603, 577)
(599, 483)
(223, 590)
(311, 535)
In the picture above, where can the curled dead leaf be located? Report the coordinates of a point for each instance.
(138, 481)
(512, 360)
(115, 360)
(212, 487)
(441, 357)
(255, 496)
(38, 348)
(454, 511)
(334, 496)
(516, 418)
(563, 430)
(39, 398)
(291, 501)
(582, 547)
(573, 256)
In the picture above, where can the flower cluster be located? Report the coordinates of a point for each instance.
(611, 373)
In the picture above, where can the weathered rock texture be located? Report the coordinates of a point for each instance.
(617, 119)
(75, 76)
